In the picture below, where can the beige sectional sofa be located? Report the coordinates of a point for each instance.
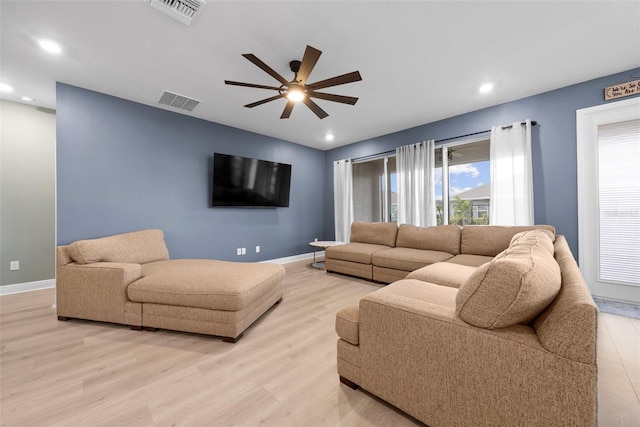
(509, 342)
(129, 279)
(384, 252)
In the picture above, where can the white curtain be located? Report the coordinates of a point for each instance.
(343, 199)
(511, 175)
(415, 165)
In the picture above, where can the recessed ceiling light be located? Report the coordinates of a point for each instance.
(5, 88)
(50, 46)
(486, 88)
(27, 99)
(329, 137)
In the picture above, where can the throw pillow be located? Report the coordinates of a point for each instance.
(514, 288)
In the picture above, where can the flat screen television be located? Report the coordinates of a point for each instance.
(244, 182)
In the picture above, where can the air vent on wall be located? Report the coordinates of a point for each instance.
(182, 10)
(178, 101)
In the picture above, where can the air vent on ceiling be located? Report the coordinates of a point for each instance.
(178, 101)
(182, 10)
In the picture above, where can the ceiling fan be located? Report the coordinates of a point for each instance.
(298, 89)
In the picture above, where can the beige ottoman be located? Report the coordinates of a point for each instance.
(206, 296)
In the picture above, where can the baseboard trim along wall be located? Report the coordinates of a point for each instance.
(295, 258)
(26, 287)
(51, 283)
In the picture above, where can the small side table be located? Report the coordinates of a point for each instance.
(322, 244)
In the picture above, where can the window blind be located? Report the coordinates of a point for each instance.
(619, 202)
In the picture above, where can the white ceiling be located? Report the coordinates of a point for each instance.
(420, 61)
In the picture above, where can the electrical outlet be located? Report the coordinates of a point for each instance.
(239, 251)
(257, 249)
(244, 251)
(14, 265)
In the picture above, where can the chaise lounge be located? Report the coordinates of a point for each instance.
(129, 279)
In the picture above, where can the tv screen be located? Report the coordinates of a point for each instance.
(244, 182)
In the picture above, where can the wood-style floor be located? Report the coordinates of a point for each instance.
(281, 373)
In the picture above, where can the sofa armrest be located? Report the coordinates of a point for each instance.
(95, 291)
(420, 357)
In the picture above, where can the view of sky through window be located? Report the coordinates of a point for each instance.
(461, 178)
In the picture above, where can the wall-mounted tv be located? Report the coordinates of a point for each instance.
(244, 182)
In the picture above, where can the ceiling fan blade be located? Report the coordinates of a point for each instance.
(315, 108)
(335, 98)
(287, 109)
(354, 76)
(251, 57)
(229, 82)
(311, 56)
(264, 101)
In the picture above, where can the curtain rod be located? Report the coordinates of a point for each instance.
(357, 159)
(533, 123)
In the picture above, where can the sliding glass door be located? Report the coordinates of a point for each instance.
(375, 190)
(463, 183)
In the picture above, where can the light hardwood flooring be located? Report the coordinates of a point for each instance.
(281, 373)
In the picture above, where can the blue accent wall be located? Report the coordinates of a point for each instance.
(124, 166)
(553, 142)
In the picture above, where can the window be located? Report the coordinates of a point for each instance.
(375, 191)
(463, 186)
(619, 202)
(462, 191)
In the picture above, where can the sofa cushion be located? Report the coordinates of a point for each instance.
(375, 233)
(407, 259)
(351, 268)
(443, 238)
(416, 292)
(443, 273)
(388, 275)
(470, 260)
(137, 247)
(354, 252)
(513, 288)
(203, 283)
(490, 240)
(347, 323)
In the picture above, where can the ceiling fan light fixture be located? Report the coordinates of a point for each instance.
(299, 89)
(295, 95)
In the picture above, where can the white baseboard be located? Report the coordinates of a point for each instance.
(295, 258)
(27, 287)
(51, 283)
(608, 299)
